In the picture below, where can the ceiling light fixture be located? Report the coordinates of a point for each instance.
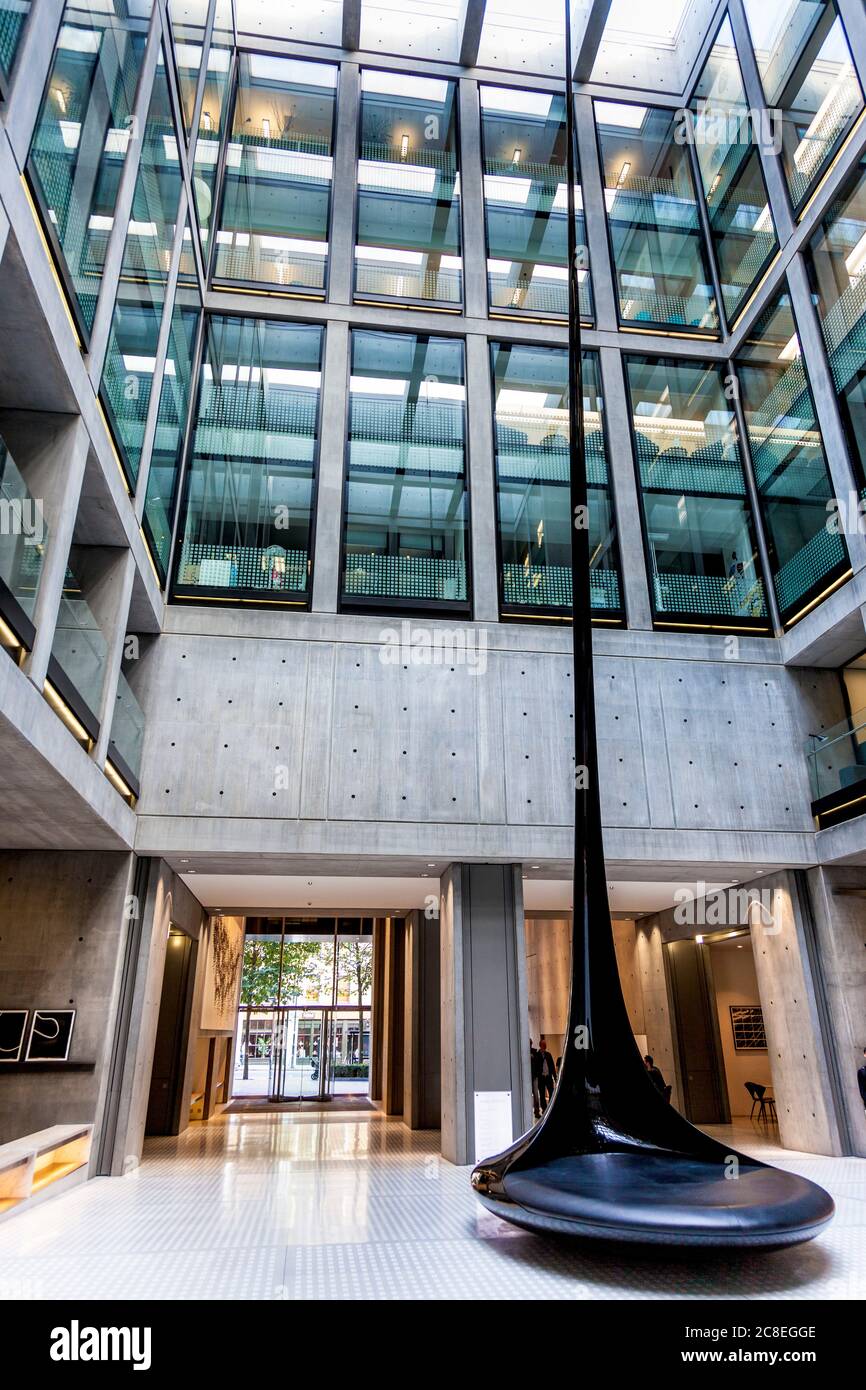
(404, 146)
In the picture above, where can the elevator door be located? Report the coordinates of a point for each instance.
(704, 1094)
(172, 1029)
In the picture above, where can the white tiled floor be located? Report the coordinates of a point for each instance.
(269, 1207)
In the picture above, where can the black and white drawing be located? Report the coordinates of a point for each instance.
(13, 1029)
(50, 1035)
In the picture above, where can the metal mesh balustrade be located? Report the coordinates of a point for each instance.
(710, 595)
(549, 586)
(12, 16)
(409, 576)
(243, 567)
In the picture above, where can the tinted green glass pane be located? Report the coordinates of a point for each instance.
(660, 259)
(250, 487)
(79, 647)
(212, 120)
(788, 457)
(23, 535)
(127, 375)
(697, 520)
(809, 79)
(406, 529)
(408, 236)
(837, 267)
(530, 386)
(525, 201)
(165, 459)
(13, 13)
(741, 224)
(82, 136)
(277, 198)
(187, 21)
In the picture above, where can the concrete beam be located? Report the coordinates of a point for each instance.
(469, 26)
(588, 45)
(351, 25)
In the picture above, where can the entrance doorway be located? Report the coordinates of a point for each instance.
(304, 1018)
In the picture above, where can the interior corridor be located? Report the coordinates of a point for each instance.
(312, 1206)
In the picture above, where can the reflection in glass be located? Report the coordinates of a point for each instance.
(79, 647)
(127, 735)
(130, 360)
(408, 236)
(661, 263)
(406, 527)
(789, 461)
(82, 135)
(13, 13)
(162, 480)
(212, 118)
(836, 261)
(523, 139)
(741, 223)
(276, 202)
(249, 490)
(23, 540)
(187, 21)
(532, 475)
(697, 520)
(808, 76)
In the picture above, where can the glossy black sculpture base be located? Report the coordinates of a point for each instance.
(658, 1198)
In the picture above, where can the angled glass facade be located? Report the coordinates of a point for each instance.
(698, 526)
(170, 434)
(530, 392)
(406, 526)
(660, 259)
(82, 136)
(408, 241)
(525, 200)
(791, 472)
(273, 226)
(723, 135)
(251, 476)
(13, 15)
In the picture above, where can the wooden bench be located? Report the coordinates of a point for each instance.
(30, 1166)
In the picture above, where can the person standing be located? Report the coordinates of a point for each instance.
(547, 1073)
(655, 1075)
(861, 1079)
(535, 1073)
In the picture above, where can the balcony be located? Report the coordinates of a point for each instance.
(837, 771)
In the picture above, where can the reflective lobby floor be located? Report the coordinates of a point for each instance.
(270, 1207)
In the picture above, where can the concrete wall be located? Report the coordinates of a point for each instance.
(63, 926)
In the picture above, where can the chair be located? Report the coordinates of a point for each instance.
(765, 1102)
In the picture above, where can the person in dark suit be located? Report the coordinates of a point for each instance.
(655, 1075)
(547, 1073)
(861, 1079)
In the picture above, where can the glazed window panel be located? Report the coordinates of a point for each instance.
(130, 360)
(13, 16)
(408, 244)
(406, 516)
(279, 167)
(79, 648)
(249, 497)
(836, 261)
(165, 460)
(213, 119)
(188, 19)
(788, 456)
(698, 525)
(530, 386)
(809, 80)
(723, 133)
(661, 263)
(82, 136)
(525, 204)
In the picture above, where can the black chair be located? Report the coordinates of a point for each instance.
(766, 1105)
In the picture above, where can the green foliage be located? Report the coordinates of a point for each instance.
(260, 983)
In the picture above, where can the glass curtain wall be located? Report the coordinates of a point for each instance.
(81, 138)
(167, 452)
(251, 478)
(187, 19)
(525, 204)
(273, 226)
(13, 14)
(661, 263)
(406, 537)
(836, 261)
(408, 242)
(789, 462)
(130, 360)
(698, 526)
(809, 83)
(79, 652)
(212, 119)
(23, 544)
(530, 387)
(723, 134)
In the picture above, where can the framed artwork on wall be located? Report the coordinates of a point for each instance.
(50, 1035)
(13, 1029)
(225, 949)
(747, 1026)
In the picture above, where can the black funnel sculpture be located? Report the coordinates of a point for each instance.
(610, 1158)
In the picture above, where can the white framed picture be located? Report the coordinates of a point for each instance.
(50, 1035)
(13, 1030)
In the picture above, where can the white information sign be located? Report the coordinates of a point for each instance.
(493, 1128)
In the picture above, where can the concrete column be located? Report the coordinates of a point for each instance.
(377, 1009)
(485, 1036)
(482, 480)
(51, 451)
(624, 486)
(341, 244)
(472, 202)
(30, 75)
(393, 1017)
(838, 903)
(826, 401)
(421, 1028)
(332, 468)
(600, 265)
(791, 1005)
